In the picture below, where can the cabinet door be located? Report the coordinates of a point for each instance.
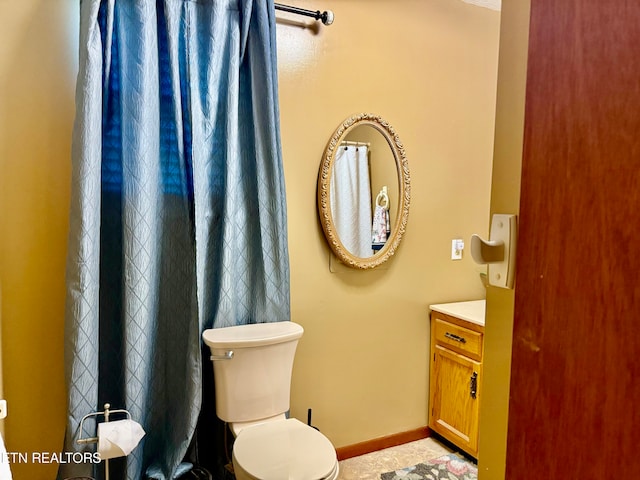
(454, 394)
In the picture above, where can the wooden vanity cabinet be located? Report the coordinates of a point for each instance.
(455, 380)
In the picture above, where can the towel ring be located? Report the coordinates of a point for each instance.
(382, 197)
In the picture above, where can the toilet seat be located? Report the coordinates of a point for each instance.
(284, 450)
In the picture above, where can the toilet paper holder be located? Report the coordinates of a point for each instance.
(106, 414)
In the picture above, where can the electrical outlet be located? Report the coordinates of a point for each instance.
(457, 246)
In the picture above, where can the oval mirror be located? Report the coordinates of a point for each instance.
(364, 191)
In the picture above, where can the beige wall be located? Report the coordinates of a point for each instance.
(427, 66)
(38, 64)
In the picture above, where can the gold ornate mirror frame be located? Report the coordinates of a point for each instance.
(324, 192)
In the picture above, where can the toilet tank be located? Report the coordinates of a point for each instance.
(254, 381)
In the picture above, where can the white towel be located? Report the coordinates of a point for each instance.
(381, 226)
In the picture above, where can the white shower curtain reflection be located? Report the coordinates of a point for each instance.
(351, 199)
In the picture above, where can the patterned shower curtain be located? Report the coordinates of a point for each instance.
(178, 215)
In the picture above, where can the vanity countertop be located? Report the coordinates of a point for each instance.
(472, 311)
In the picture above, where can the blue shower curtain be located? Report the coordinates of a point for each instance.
(178, 215)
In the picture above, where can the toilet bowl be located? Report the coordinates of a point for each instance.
(252, 373)
(283, 450)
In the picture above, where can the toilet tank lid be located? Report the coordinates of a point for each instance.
(252, 335)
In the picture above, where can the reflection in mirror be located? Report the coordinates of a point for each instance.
(364, 191)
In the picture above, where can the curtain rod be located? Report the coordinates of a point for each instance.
(356, 144)
(326, 17)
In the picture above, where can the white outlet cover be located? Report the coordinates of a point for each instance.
(457, 246)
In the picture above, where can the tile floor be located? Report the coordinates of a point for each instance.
(371, 465)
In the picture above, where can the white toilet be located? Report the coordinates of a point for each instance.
(252, 371)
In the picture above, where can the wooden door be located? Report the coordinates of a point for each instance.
(575, 389)
(454, 407)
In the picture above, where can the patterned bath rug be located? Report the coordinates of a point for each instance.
(446, 467)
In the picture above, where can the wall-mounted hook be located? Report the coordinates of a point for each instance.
(499, 252)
